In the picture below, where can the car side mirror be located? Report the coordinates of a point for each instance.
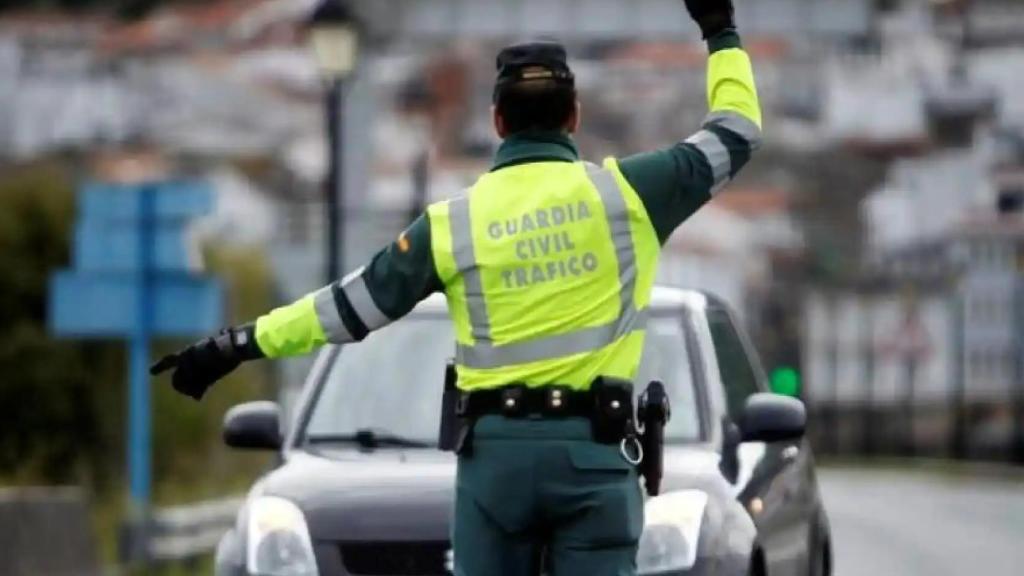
(773, 418)
(253, 426)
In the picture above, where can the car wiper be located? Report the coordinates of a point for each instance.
(369, 438)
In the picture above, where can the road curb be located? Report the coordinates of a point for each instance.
(953, 469)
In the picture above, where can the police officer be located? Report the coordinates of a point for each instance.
(547, 263)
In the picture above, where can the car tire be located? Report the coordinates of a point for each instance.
(757, 566)
(821, 549)
(822, 561)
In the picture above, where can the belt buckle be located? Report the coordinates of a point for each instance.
(513, 401)
(556, 401)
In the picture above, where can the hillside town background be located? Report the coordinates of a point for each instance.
(876, 245)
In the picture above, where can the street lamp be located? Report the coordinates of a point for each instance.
(334, 41)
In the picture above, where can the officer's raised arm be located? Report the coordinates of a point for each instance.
(732, 130)
(367, 299)
(676, 181)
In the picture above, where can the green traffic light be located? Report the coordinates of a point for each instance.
(786, 381)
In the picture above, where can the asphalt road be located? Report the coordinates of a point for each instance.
(892, 523)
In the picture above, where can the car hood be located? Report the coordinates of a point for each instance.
(399, 495)
(380, 495)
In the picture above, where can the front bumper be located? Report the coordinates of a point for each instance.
(329, 562)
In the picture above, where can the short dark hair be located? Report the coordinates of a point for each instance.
(536, 105)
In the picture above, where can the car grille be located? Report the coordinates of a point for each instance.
(396, 558)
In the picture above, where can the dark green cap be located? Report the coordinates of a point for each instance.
(539, 60)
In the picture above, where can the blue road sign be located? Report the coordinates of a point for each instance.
(168, 202)
(100, 247)
(130, 280)
(92, 305)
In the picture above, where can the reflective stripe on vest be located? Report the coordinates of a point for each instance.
(484, 354)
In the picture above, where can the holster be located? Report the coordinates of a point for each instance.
(455, 433)
(653, 412)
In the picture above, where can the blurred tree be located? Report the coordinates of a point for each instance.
(828, 186)
(62, 402)
(834, 184)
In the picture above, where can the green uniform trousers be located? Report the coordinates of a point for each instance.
(533, 492)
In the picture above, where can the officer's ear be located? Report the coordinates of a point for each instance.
(499, 123)
(574, 121)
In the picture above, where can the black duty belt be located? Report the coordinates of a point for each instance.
(608, 404)
(519, 401)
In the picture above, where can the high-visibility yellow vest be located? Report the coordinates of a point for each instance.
(548, 269)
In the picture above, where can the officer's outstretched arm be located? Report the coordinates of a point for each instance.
(676, 181)
(369, 298)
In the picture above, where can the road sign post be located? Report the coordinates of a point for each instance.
(140, 410)
(133, 278)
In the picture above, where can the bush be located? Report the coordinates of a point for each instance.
(62, 402)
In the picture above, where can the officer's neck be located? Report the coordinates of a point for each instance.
(535, 146)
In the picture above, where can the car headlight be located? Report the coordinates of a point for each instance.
(278, 540)
(671, 529)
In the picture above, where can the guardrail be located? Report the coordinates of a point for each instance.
(183, 534)
(46, 530)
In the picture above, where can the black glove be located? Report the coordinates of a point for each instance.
(199, 366)
(713, 16)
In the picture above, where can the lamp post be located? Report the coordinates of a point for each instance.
(334, 40)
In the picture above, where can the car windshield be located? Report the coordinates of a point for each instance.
(392, 382)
